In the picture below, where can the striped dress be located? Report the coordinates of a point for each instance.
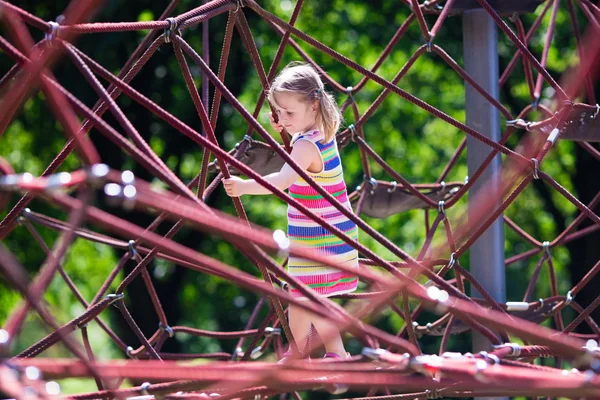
(303, 231)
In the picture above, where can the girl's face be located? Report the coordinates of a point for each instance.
(294, 114)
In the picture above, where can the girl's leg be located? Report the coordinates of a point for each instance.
(299, 320)
(330, 335)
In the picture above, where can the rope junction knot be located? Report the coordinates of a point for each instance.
(97, 173)
(536, 167)
(144, 388)
(519, 123)
(132, 250)
(452, 260)
(352, 132)
(373, 184)
(516, 348)
(373, 354)
(172, 29)
(115, 297)
(166, 328)
(270, 331)
(569, 298)
(53, 34)
(546, 248)
(441, 209)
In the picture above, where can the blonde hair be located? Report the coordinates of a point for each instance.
(303, 81)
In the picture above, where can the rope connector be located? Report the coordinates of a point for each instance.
(374, 184)
(54, 27)
(238, 5)
(546, 248)
(569, 298)
(115, 297)
(129, 352)
(98, 172)
(166, 328)
(270, 331)
(256, 353)
(132, 249)
(536, 168)
(516, 348)
(452, 260)
(541, 303)
(352, 132)
(433, 394)
(349, 90)
(393, 188)
(441, 209)
(597, 110)
(171, 29)
(428, 45)
(144, 388)
(373, 354)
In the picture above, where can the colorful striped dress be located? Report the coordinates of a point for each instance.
(303, 231)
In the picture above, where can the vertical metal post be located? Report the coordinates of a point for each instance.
(481, 62)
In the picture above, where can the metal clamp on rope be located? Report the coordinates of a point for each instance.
(171, 29)
(239, 4)
(238, 352)
(541, 303)
(373, 354)
(553, 136)
(167, 329)
(519, 123)
(144, 388)
(517, 306)
(433, 394)
(429, 44)
(597, 110)
(393, 188)
(270, 331)
(546, 248)
(349, 90)
(56, 181)
(256, 353)
(373, 183)
(97, 173)
(114, 297)
(129, 352)
(11, 182)
(443, 185)
(132, 249)
(452, 260)
(441, 209)
(54, 27)
(536, 167)
(569, 298)
(23, 215)
(352, 132)
(516, 348)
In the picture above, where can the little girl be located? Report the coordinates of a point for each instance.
(312, 117)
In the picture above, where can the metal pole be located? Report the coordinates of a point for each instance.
(481, 62)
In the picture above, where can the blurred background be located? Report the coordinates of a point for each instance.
(413, 142)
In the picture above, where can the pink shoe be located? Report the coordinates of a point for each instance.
(336, 388)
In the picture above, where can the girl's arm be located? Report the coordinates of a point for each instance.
(303, 153)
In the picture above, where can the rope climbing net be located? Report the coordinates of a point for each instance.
(391, 365)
